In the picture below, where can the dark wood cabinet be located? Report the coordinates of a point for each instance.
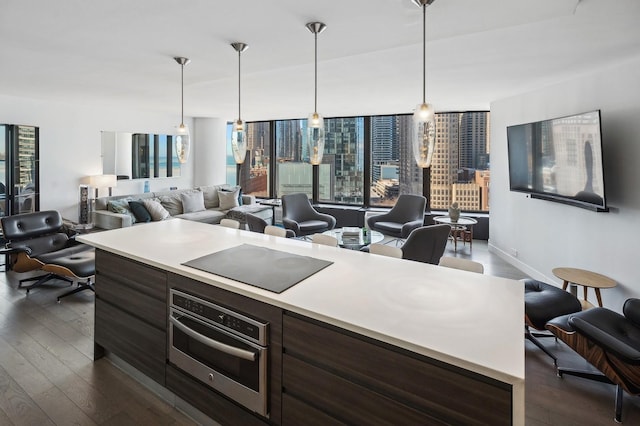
(131, 313)
(319, 374)
(357, 380)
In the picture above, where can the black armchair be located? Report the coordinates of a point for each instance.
(543, 302)
(426, 244)
(608, 341)
(258, 224)
(38, 241)
(405, 216)
(299, 216)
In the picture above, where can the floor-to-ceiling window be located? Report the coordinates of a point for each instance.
(255, 171)
(19, 169)
(341, 176)
(459, 171)
(293, 171)
(393, 169)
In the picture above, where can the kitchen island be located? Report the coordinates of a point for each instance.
(460, 329)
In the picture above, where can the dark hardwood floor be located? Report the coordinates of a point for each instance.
(47, 376)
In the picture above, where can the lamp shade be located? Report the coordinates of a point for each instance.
(315, 138)
(183, 138)
(239, 141)
(238, 131)
(183, 143)
(315, 123)
(423, 134)
(103, 181)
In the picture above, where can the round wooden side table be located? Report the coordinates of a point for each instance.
(586, 279)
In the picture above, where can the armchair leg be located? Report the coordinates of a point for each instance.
(598, 377)
(81, 286)
(41, 279)
(530, 337)
(619, 397)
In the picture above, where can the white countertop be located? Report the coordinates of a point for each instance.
(470, 320)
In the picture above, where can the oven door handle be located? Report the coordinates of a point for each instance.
(214, 344)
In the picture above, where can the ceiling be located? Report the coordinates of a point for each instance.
(119, 52)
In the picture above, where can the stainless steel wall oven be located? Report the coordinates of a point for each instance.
(226, 350)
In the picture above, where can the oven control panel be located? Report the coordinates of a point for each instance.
(228, 319)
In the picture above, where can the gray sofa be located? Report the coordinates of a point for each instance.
(104, 215)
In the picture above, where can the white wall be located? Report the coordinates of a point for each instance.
(546, 234)
(70, 146)
(210, 161)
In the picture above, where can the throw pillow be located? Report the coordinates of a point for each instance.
(121, 206)
(192, 201)
(210, 194)
(172, 203)
(139, 211)
(155, 209)
(232, 189)
(228, 199)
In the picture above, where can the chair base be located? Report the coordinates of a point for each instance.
(532, 337)
(398, 242)
(81, 287)
(598, 377)
(41, 279)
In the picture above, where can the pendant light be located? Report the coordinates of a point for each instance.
(183, 140)
(238, 134)
(315, 123)
(424, 122)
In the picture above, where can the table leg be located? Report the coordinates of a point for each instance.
(584, 292)
(565, 284)
(573, 289)
(598, 297)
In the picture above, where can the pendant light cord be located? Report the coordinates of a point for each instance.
(315, 96)
(182, 94)
(424, 54)
(239, 85)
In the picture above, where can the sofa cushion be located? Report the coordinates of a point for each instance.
(172, 203)
(121, 206)
(139, 211)
(228, 199)
(205, 216)
(155, 209)
(192, 201)
(210, 193)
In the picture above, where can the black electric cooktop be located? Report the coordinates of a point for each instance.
(261, 267)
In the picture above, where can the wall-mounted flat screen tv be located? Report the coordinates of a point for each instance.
(559, 160)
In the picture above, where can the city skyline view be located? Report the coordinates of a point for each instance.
(459, 171)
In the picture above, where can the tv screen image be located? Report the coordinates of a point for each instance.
(559, 160)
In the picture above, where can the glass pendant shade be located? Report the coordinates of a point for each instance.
(238, 141)
(183, 143)
(315, 122)
(423, 134)
(183, 138)
(238, 131)
(315, 138)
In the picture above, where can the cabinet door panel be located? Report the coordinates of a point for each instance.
(136, 342)
(438, 389)
(296, 412)
(144, 279)
(147, 309)
(344, 399)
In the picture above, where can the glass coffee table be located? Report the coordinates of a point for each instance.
(354, 241)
